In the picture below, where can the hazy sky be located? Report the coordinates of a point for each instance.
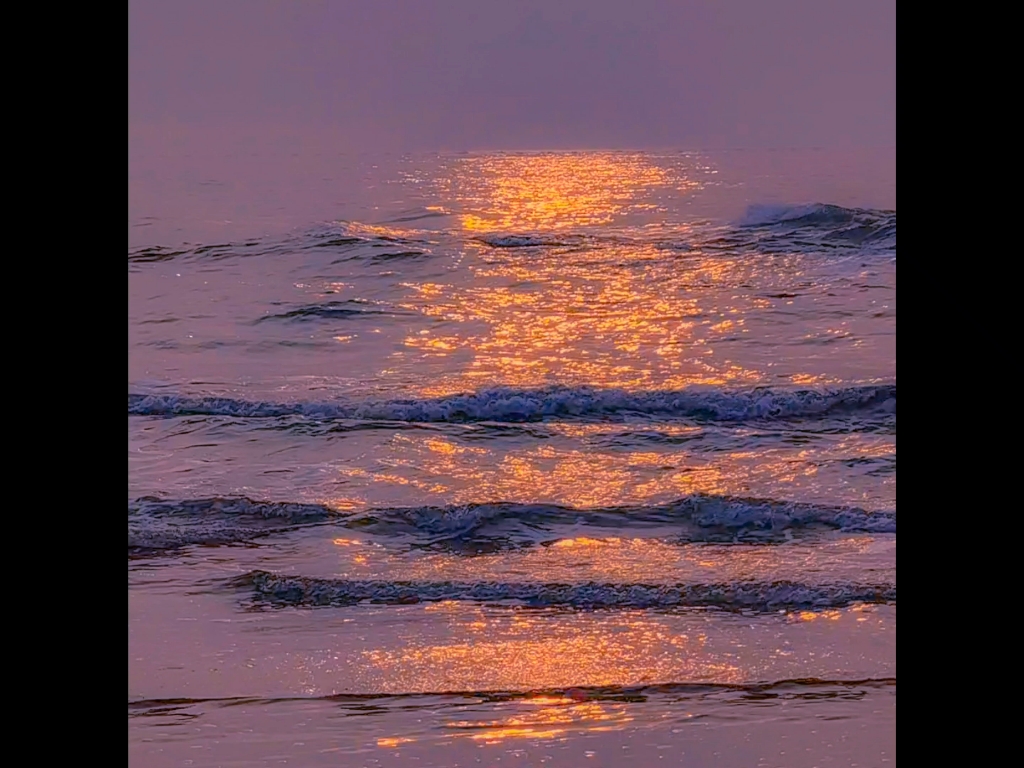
(520, 74)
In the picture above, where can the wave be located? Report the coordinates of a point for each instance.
(208, 252)
(418, 214)
(229, 508)
(353, 240)
(694, 518)
(530, 241)
(332, 310)
(504, 404)
(762, 228)
(158, 525)
(821, 224)
(796, 688)
(674, 245)
(812, 214)
(279, 590)
(393, 255)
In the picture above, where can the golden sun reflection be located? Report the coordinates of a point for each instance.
(393, 741)
(581, 478)
(630, 648)
(552, 191)
(605, 476)
(630, 561)
(617, 312)
(535, 717)
(818, 615)
(546, 717)
(582, 541)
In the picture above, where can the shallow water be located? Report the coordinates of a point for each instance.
(546, 458)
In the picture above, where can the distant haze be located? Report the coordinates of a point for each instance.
(460, 75)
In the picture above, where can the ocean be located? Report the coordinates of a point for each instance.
(511, 458)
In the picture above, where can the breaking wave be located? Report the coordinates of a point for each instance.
(282, 590)
(504, 404)
(156, 524)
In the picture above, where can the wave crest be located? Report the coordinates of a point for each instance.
(281, 590)
(821, 224)
(505, 404)
(156, 524)
(530, 241)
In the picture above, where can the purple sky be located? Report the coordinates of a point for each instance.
(520, 74)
